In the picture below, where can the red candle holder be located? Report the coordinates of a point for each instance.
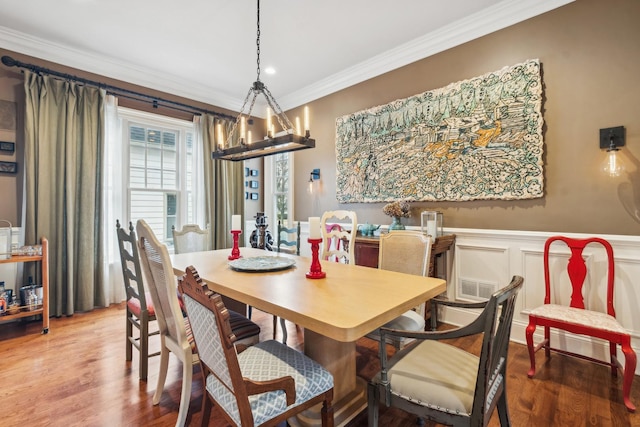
(235, 252)
(315, 272)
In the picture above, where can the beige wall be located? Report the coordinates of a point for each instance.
(590, 55)
(11, 185)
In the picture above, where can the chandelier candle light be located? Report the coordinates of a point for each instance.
(239, 146)
(236, 230)
(315, 271)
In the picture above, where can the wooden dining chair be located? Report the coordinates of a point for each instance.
(404, 251)
(191, 238)
(140, 313)
(577, 317)
(338, 230)
(443, 383)
(261, 385)
(175, 330)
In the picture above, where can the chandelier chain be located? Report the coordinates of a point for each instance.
(258, 42)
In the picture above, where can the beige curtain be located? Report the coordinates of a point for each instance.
(64, 143)
(224, 180)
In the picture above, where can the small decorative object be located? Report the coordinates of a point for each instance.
(261, 237)
(368, 229)
(236, 230)
(431, 224)
(315, 270)
(397, 210)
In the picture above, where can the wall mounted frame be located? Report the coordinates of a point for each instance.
(8, 167)
(7, 146)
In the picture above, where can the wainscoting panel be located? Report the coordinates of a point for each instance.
(496, 255)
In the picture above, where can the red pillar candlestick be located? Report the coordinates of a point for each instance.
(235, 252)
(315, 272)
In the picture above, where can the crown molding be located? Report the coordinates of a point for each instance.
(113, 68)
(504, 14)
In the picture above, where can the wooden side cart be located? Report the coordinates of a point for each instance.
(43, 258)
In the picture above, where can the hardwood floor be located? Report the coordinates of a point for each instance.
(76, 375)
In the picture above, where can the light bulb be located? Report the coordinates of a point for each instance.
(613, 165)
(310, 188)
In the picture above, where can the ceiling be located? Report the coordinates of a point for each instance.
(206, 49)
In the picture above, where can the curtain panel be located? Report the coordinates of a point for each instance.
(64, 146)
(224, 185)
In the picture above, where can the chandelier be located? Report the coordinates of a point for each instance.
(289, 138)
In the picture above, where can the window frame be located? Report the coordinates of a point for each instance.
(146, 120)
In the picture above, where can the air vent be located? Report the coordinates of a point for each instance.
(476, 290)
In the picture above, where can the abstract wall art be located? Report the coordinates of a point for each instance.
(476, 139)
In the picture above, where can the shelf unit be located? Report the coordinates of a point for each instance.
(44, 310)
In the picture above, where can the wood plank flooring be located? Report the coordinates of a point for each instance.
(76, 375)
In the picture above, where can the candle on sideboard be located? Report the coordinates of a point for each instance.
(314, 227)
(236, 222)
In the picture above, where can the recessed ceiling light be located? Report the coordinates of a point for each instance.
(270, 70)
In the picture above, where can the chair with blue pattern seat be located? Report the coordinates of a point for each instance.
(263, 385)
(175, 330)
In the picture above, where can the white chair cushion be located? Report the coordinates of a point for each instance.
(578, 316)
(436, 375)
(408, 321)
(266, 361)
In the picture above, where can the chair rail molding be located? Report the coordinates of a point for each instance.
(492, 256)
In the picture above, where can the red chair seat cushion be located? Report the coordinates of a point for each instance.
(133, 304)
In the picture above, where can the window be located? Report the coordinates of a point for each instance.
(159, 174)
(278, 184)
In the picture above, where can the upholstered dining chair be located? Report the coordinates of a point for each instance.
(139, 306)
(577, 317)
(443, 383)
(339, 241)
(175, 331)
(191, 238)
(262, 385)
(404, 251)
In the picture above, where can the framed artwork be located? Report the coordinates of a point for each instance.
(246, 195)
(246, 183)
(254, 172)
(8, 167)
(246, 171)
(254, 196)
(477, 139)
(7, 146)
(254, 184)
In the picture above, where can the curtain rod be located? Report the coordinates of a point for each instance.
(114, 90)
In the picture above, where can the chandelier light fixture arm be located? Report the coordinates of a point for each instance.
(289, 138)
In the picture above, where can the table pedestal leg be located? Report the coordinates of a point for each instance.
(349, 392)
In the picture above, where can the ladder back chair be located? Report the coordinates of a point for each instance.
(576, 318)
(443, 383)
(338, 242)
(261, 385)
(291, 239)
(191, 238)
(139, 306)
(175, 330)
(404, 251)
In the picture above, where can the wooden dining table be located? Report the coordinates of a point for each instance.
(334, 311)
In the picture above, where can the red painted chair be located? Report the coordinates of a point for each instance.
(578, 320)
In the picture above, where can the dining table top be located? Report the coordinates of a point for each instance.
(347, 304)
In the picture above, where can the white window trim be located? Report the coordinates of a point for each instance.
(269, 189)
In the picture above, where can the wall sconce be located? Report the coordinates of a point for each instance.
(611, 139)
(314, 175)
